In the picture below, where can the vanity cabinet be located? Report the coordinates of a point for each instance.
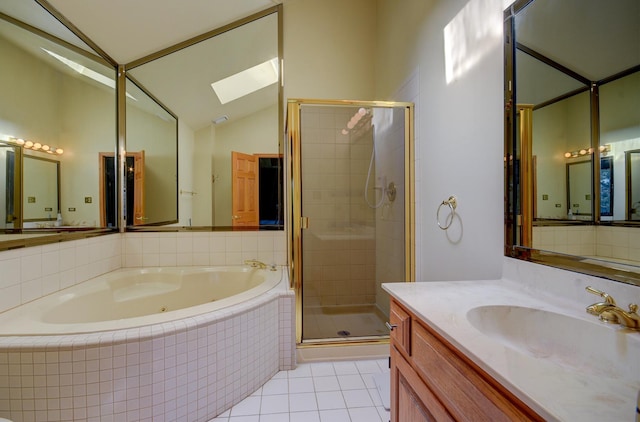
(432, 381)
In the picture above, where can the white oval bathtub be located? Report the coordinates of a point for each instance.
(137, 297)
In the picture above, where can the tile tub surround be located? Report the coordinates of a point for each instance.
(192, 369)
(27, 274)
(556, 391)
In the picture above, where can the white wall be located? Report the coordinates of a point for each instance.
(459, 126)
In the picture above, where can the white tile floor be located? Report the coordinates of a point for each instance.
(316, 392)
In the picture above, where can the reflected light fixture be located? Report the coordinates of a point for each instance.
(34, 146)
(247, 81)
(355, 119)
(604, 150)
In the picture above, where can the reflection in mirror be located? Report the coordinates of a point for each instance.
(10, 191)
(217, 126)
(579, 190)
(569, 200)
(40, 192)
(620, 133)
(151, 171)
(63, 107)
(559, 128)
(633, 185)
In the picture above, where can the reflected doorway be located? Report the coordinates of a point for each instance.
(352, 215)
(134, 189)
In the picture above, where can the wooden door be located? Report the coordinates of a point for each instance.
(244, 190)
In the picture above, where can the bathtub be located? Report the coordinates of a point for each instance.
(172, 344)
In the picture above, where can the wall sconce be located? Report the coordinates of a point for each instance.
(36, 146)
(604, 150)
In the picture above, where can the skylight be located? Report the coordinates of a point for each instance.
(85, 71)
(245, 82)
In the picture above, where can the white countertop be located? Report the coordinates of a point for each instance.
(555, 387)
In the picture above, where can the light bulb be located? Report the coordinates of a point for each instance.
(345, 132)
(362, 111)
(45, 147)
(59, 151)
(28, 144)
(350, 125)
(37, 145)
(583, 151)
(20, 141)
(567, 155)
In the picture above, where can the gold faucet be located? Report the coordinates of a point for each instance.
(609, 312)
(256, 264)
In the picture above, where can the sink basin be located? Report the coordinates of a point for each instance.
(588, 346)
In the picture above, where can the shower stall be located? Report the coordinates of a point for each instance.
(352, 216)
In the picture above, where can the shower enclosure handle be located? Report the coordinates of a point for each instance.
(390, 326)
(304, 223)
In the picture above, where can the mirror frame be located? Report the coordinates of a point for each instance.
(518, 179)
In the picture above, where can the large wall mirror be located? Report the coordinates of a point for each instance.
(151, 170)
(224, 87)
(59, 112)
(572, 95)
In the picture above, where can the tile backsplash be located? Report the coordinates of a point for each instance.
(29, 273)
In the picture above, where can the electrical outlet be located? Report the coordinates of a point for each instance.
(31, 199)
(72, 209)
(545, 197)
(558, 205)
(88, 199)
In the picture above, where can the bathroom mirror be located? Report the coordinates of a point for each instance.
(576, 65)
(40, 191)
(216, 127)
(579, 192)
(152, 161)
(62, 108)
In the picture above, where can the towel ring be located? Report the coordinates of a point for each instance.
(452, 203)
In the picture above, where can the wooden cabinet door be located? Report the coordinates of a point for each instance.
(411, 400)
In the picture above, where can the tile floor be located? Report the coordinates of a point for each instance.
(316, 392)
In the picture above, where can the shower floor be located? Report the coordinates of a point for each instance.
(343, 322)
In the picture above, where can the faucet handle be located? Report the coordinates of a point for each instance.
(608, 299)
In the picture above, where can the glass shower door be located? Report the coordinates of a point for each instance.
(353, 208)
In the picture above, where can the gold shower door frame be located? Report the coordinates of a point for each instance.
(299, 222)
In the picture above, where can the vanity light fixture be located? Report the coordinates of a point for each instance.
(247, 81)
(34, 146)
(604, 150)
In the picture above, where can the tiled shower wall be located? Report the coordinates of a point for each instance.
(339, 245)
(29, 273)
